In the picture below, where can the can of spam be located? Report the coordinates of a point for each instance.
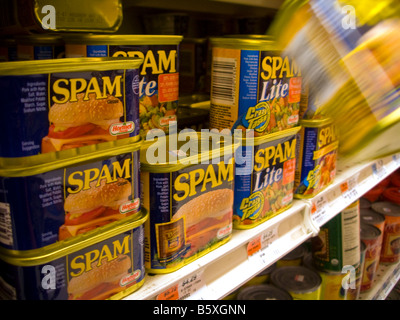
(264, 177)
(61, 199)
(371, 236)
(189, 196)
(106, 265)
(338, 242)
(316, 159)
(301, 283)
(56, 105)
(158, 77)
(253, 86)
(40, 46)
(390, 252)
(263, 292)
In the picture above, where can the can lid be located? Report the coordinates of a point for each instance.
(369, 216)
(386, 208)
(296, 253)
(255, 141)
(392, 195)
(62, 248)
(364, 203)
(122, 39)
(32, 165)
(369, 232)
(263, 292)
(167, 153)
(296, 279)
(31, 67)
(244, 43)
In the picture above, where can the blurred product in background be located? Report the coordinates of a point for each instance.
(348, 54)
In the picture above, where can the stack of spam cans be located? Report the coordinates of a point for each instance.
(71, 216)
(255, 92)
(336, 255)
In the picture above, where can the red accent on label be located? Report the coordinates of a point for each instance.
(168, 87)
(289, 168)
(294, 90)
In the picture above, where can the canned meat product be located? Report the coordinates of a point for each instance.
(371, 236)
(302, 283)
(316, 159)
(158, 77)
(391, 236)
(105, 265)
(264, 177)
(263, 292)
(60, 104)
(293, 258)
(61, 199)
(189, 196)
(338, 242)
(40, 46)
(253, 86)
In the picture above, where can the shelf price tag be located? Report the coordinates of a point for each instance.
(319, 210)
(379, 170)
(349, 190)
(189, 288)
(259, 249)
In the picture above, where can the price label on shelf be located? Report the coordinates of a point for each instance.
(378, 170)
(260, 249)
(349, 190)
(319, 210)
(190, 288)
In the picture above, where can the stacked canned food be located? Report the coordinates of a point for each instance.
(70, 198)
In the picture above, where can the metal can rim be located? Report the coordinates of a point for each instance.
(32, 67)
(62, 248)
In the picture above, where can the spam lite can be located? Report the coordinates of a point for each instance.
(63, 199)
(158, 77)
(316, 160)
(189, 197)
(106, 265)
(253, 86)
(264, 177)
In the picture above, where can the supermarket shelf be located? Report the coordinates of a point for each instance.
(228, 267)
(386, 278)
(225, 269)
(351, 182)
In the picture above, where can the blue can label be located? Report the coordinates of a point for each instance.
(64, 203)
(60, 111)
(116, 264)
(190, 213)
(264, 181)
